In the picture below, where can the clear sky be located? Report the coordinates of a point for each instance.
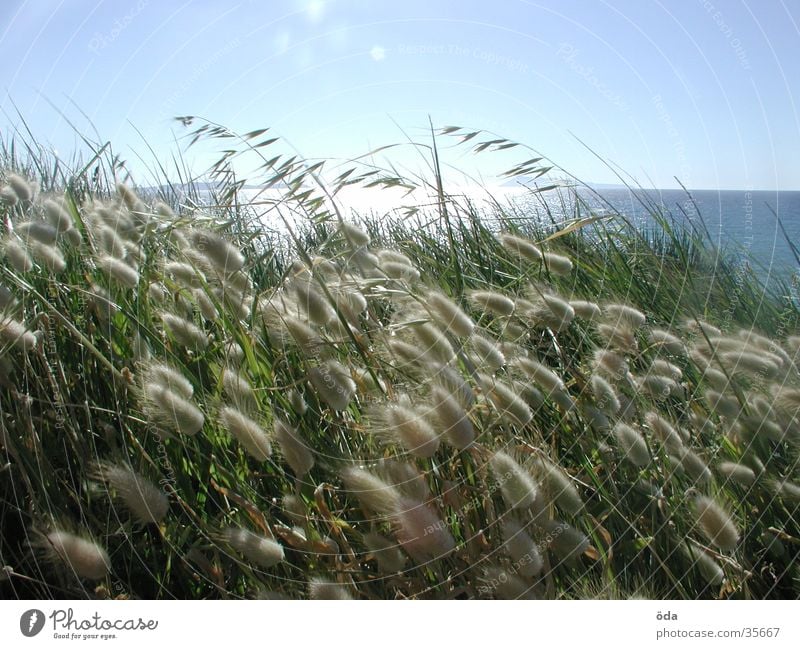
(706, 90)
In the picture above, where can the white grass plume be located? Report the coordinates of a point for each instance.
(516, 485)
(87, 559)
(247, 432)
(239, 391)
(487, 353)
(511, 406)
(333, 383)
(604, 394)
(294, 448)
(16, 334)
(492, 302)
(522, 247)
(557, 264)
(372, 492)
(542, 375)
(256, 549)
(170, 411)
(145, 500)
(451, 417)
(558, 485)
(433, 343)
(521, 548)
(118, 270)
(716, 523)
(184, 332)
(586, 310)
(17, 254)
(622, 314)
(225, 257)
(632, 444)
(406, 426)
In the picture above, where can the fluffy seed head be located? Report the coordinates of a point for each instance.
(184, 274)
(21, 187)
(407, 427)
(355, 235)
(495, 303)
(184, 332)
(57, 215)
(37, 231)
(722, 404)
(558, 485)
(567, 543)
(661, 367)
(15, 333)
(656, 387)
(521, 548)
(708, 567)
(557, 264)
(542, 375)
(663, 430)
(632, 444)
(118, 270)
(293, 448)
(487, 353)
(604, 394)
(516, 484)
(749, 363)
(17, 255)
(257, 549)
(694, 466)
(619, 337)
(610, 363)
(373, 493)
(87, 559)
(49, 257)
(314, 303)
(667, 341)
(622, 314)
(510, 406)
(715, 523)
(738, 473)
(239, 390)
(169, 378)
(170, 411)
(387, 553)
(399, 271)
(225, 257)
(521, 247)
(585, 310)
(451, 417)
(147, 502)
(333, 384)
(434, 343)
(326, 589)
(247, 432)
(421, 531)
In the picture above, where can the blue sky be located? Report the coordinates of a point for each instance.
(705, 90)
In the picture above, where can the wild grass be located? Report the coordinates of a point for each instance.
(440, 404)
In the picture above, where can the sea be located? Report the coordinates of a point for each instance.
(750, 227)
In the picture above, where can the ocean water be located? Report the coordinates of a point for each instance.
(742, 224)
(739, 222)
